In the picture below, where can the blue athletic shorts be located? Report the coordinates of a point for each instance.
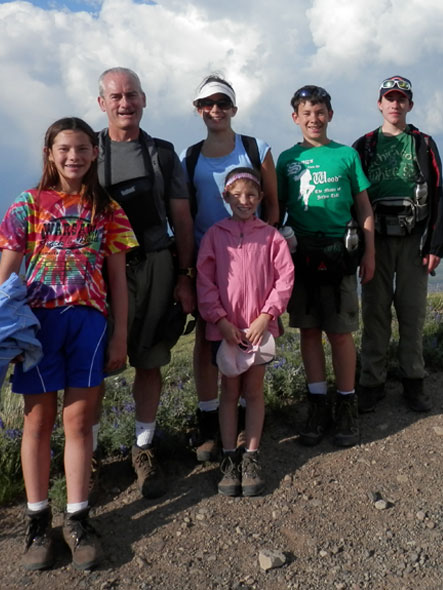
(74, 345)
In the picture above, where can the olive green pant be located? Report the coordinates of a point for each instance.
(400, 280)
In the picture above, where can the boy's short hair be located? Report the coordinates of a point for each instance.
(313, 94)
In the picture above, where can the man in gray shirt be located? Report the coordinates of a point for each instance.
(145, 177)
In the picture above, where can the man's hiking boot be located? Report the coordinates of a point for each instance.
(94, 478)
(241, 429)
(318, 420)
(415, 397)
(252, 482)
(347, 430)
(207, 447)
(39, 553)
(368, 397)
(230, 483)
(150, 477)
(82, 540)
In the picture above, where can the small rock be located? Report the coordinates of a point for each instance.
(269, 559)
(421, 515)
(323, 553)
(430, 524)
(438, 430)
(381, 504)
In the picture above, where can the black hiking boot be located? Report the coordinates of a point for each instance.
(368, 397)
(39, 554)
(318, 421)
(415, 397)
(347, 430)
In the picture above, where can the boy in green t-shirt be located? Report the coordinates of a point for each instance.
(320, 182)
(404, 168)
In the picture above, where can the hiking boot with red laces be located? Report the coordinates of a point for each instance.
(230, 483)
(39, 552)
(150, 476)
(82, 540)
(252, 482)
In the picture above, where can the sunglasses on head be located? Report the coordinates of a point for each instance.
(312, 92)
(400, 83)
(207, 104)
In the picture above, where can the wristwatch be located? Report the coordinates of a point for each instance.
(188, 272)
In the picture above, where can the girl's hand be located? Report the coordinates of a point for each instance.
(229, 332)
(258, 328)
(116, 354)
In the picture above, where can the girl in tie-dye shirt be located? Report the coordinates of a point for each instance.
(65, 230)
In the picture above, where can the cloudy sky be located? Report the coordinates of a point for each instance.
(51, 54)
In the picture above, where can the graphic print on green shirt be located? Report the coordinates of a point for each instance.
(317, 186)
(393, 171)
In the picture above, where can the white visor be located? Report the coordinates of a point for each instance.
(214, 88)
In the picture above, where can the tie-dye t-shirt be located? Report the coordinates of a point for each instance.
(64, 251)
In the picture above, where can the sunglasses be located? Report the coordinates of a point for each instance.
(312, 92)
(401, 84)
(207, 104)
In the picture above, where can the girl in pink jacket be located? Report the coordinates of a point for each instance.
(244, 280)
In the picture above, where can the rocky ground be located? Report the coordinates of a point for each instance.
(369, 517)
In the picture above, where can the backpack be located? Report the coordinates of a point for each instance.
(191, 158)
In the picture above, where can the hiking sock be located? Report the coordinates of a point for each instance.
(208, 406)
(76, 506)
(37, 506)
(318, 388)
(144, 433)
(345, 392)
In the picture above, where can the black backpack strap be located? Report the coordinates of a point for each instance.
(192, 154)
(251, 148)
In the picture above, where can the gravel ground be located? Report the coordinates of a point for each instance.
(369, 517)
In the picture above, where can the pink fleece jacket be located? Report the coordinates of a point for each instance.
(243, 269)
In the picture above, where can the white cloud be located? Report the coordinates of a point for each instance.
(50, 60)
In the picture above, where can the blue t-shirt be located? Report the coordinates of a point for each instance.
(209, 178)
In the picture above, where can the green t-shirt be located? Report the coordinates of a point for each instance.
(317, 185)
(393, 171)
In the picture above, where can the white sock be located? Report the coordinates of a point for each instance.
(242, 402)
(209, 406)
(95, 429)
(228, 451)
(76, 507)
(144, 433)
(319, 388)
(37, 506)
(346, 392)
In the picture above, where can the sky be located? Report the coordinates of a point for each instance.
(52, 53)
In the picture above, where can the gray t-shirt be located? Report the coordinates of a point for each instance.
(131, 173)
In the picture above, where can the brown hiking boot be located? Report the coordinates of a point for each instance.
(347, 429)
(39, 553)
(94, 478)
(318, 421)
(252, 482)
(207, 448)
(230, 483)
(82, 540)
(150, 476)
